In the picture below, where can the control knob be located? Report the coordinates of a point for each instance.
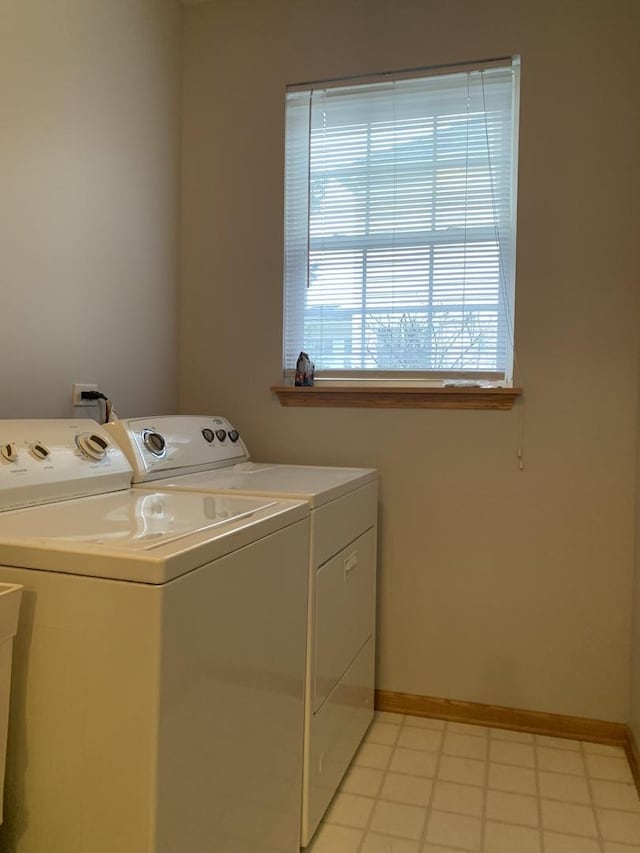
(208, 435)
(9, 452)
(92, 445)
(234, 435)
(154, 442)
(221, 433)
(40, 451)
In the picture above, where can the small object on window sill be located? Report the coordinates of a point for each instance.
(304, 371)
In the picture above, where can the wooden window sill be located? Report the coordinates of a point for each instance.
(398, 397)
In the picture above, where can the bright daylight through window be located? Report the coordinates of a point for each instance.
(400, 225)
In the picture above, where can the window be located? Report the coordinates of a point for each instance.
(400, 225)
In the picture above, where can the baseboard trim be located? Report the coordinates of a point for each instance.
(633, 754)
(516, 719)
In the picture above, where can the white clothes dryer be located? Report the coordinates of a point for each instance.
(157, 701)
(205, 454)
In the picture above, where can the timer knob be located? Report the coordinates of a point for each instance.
(40, 451)
(154, 442)
(9, 452)
(93, 445)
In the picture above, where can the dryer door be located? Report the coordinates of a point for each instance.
(344, 614)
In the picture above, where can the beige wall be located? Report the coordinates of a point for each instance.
(634, 713)
(496, 585)
(89, 158)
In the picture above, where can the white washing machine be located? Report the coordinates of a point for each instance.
(157, 699)
(204, 454)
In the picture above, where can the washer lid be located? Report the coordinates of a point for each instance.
(316, 484)
(144, 536)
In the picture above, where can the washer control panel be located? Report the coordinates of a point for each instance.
(168, 445)
(50, 460)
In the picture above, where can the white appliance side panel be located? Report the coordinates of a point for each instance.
(83, 716)
(334, 735)
(6, 649)
(10, 600)
(232, 698)
(344, 613)
(342, 521)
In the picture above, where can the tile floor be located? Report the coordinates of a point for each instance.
(425, 786)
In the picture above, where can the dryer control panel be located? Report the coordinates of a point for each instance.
(54, 460)
(177, 444)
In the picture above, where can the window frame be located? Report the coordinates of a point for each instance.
(410, 378)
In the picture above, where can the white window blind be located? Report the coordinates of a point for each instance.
(400, 224)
